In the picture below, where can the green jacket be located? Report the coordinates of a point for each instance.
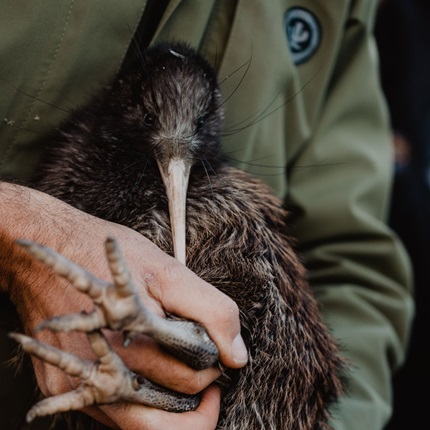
(303, 112)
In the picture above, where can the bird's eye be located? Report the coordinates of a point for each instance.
(149, 119)
(200, 122)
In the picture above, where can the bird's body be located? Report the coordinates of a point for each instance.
(107, 162)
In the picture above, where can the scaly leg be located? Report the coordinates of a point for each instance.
(105, 381)
(118, 306)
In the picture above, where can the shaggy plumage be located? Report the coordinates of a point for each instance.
(105, 163)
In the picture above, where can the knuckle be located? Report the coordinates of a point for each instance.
(226, 312)
(193, 383)
(172, 271)
(162, 278)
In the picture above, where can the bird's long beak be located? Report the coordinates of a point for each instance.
(176, 183)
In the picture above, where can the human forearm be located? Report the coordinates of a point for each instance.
(163, 284)
(36, 216)
(29, 214)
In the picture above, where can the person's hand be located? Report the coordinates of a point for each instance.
(164, 285)
(139, 417)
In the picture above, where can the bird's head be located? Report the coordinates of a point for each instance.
(173, 113)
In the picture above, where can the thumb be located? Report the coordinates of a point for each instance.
(184, 294)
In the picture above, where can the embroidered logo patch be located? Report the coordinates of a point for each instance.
(303, 33)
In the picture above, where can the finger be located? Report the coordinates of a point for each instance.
(76, 275)
(73, 400)
(146, 358)
(183, 293)
(138, 417)
(71, 364)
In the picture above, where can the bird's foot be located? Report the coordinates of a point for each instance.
(106, 380)
(117, 306)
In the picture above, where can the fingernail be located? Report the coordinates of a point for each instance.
(238, 350)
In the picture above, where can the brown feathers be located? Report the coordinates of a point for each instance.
(236, 230)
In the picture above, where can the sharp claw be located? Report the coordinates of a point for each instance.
(114, 313)
(65, 361)
(70, 401)
(76, 275)
(81, 322)
(123, 283)
(106, 381)
(116, 306)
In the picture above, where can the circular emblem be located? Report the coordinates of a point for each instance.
(303, 33)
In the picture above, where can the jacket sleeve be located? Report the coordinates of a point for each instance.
(341, 184)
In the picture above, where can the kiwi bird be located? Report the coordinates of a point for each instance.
(145, 153)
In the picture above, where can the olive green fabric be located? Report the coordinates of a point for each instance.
(316, 132)
(50, 53)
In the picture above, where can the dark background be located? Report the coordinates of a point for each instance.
(403, 37)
